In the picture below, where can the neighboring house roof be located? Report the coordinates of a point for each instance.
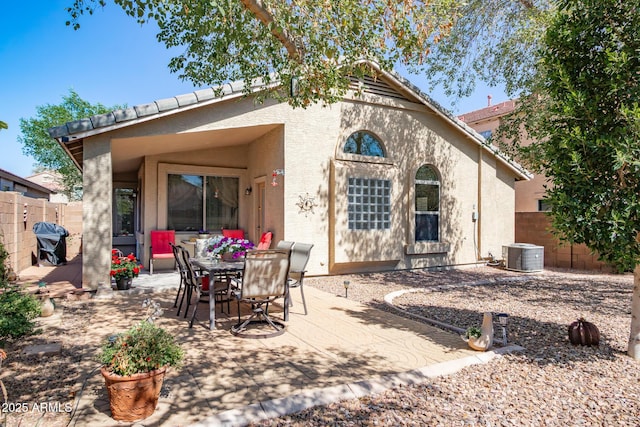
(25, 182)
(490, 112)
(71, 134)
(47, 179)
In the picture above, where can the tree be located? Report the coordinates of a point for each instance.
(312, 45)
(583, 113)
(492, 41)
(3, 125)
(37, 143)
(315, 45)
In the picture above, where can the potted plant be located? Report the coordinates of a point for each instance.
(480, 338)
(228, 248)
(134, 364)
(124, 269)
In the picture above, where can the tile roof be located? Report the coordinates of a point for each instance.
(489, 112)
(70, 135)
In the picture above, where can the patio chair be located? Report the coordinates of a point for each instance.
(160, 248)
(265, 241)
(264, 280)
(201, 286)
(182, 269)
(234, 234)
(300, 254)
(283, 244)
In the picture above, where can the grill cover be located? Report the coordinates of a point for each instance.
(52, 242)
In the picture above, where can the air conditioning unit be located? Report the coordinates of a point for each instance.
(523, 257)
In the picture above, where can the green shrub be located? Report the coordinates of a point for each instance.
(143, 348)
(17, 307)
(17, 311)
(3, 267)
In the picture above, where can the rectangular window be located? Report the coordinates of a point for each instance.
(543, 206)
(427, 210)
(486, 134)
(125, 204)
(197, 202)
(427, 227)
(369, 204)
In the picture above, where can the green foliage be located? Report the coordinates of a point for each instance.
(17, 307)
(494, 41)
(17, 311)
(473, 332)
(4, 255)
(583, 114)
(315, 43)
(143, 348)
(124, 267)
(37, 143)
(3, 125)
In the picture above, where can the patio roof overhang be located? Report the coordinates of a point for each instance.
(128, 153)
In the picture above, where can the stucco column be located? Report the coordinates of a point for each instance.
(96, 212)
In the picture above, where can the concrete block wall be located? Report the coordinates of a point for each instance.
(533, 227)
(18, 214)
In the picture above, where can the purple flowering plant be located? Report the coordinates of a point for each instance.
(218, 246)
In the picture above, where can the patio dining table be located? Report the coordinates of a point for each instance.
(215, 267)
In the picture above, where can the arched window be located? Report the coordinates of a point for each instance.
(364, 143)
(427, 196)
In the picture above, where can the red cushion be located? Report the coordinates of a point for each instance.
(234, 234)
(162, 256)
(160, 242)
(205, 283)
(265, 240)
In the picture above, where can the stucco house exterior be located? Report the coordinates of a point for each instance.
(529, 193)
(24, 186)
(383, 180)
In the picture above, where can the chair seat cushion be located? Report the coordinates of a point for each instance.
(234, 234)
(162, 256)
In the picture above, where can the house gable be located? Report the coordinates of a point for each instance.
(389, 86)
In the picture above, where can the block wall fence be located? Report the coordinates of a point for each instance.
(18, 214)
(533, 227)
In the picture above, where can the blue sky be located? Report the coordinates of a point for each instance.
(110, 60)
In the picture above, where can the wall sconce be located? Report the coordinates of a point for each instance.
(275, 173)
(247, 191)
(346, 288)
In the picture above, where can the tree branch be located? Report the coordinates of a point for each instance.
(527, 3)
(257, 8)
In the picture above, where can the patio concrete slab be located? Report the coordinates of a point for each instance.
(342, 349)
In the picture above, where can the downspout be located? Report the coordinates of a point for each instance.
(479, 214)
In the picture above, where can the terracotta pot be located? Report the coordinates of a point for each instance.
(124, 283)
(133, 397)
(228, 257)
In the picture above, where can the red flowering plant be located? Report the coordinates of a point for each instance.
(124, 266)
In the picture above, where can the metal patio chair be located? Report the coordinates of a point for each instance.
(300, 254)
(264, 280)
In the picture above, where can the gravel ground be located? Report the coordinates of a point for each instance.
(550, 383)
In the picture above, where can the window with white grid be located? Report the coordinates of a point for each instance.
(369, 204)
